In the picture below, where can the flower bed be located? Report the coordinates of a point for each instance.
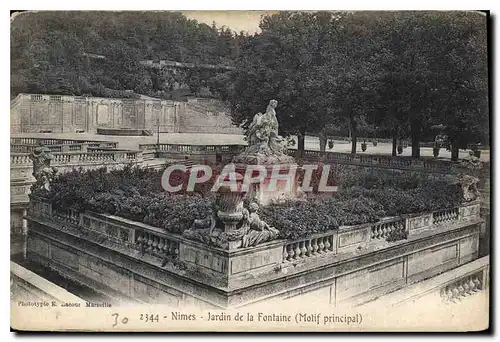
(365, 195)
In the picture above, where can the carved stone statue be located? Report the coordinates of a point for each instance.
(265, 146)
(257, 231)
(42, 171)
(469, 187)
(250, 230)
(471, 161)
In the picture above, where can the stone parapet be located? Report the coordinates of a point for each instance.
(356, 263)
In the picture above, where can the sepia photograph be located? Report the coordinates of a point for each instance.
(250, 171)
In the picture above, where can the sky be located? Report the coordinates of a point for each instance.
(247, 21)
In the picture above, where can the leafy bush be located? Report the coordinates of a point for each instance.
(300, 218)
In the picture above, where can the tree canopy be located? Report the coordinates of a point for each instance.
(399, 73)
(404, 71)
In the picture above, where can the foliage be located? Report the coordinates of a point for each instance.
(401, 71)
(50, 51)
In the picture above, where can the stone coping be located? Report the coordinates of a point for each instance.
(50, 289)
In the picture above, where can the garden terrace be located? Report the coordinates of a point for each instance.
(118, 231)
(90, 248)
(364, 196)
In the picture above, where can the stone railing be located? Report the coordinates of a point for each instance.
(55, 148)
(346, 239)
(460, 288)
(391, 229)
(77, 158)
(388, 228)
(28, 285)
(56, 141)
(451, 287)
(445, 216)
(193, 149)
(404, 163)
(19, 159)
(369, 160)
(318, 245)
(142, 237)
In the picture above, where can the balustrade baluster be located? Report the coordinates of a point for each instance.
(154, 245)
(138, 240)
(149, 243)
(321, 246)
(285, 253)
(456, 293)
(472, 286)
(465, 285)
(327, 243)
(166, 247)
(303, 249)
(478, 283)
(296, 251)
(160, 245)
(314, 246)
(291, 252)
(309, 248)
(461, 289)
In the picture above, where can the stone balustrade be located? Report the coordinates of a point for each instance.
(77, 158)
(193, 149)
(59, 148)
(389, 229)
(19, 159)
(382, 161)
(445, 216)
(462, 288)
(135, 235)
(404, 163)
(349, 265)
(158, 242)
(451, 287)
(311, 247)
(55, 141)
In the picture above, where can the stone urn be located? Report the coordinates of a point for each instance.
(230, 202)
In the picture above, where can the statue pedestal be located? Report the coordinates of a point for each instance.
(276, 185)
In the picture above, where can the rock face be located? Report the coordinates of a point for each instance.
(265, 146)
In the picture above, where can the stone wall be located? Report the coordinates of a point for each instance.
(350, 266)
(35, 113)
(28, 286)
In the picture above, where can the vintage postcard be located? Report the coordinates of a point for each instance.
(250, 171)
